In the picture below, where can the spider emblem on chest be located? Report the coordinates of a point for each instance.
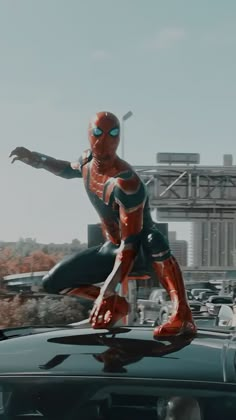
(103, 187)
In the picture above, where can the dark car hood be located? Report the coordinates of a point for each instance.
(128, 352)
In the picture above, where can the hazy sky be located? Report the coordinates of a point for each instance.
(172, 62)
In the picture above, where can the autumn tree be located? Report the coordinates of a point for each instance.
(27, 255)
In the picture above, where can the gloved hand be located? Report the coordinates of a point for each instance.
(26, 156)
(21, 153)
(108, 310)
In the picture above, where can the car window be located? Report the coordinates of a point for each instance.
(166, 296)
(221, 300)
(154, 295)
(113, 399)
(189, 295)
(196, 292)
(207, 294)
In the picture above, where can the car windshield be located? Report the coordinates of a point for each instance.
(196, 292)
(209, 293)
(166, 296)
(224, 300)
(112, 399)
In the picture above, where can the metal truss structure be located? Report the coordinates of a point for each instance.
(191, 193)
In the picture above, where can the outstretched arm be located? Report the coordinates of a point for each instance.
(37, 160)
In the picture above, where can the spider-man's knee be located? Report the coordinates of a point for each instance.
(157, 245)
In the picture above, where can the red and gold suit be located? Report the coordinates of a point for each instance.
(120, 198)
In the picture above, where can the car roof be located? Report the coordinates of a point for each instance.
(125, 351)
(223, 297)
(202, 289)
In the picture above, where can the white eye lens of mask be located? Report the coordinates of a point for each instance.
(114, 132)
(97, 131)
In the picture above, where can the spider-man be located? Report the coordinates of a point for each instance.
(121, 200)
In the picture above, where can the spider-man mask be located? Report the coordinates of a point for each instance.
(104, 135)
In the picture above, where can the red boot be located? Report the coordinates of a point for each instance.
(181, 322)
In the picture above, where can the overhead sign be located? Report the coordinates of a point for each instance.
(187, 158)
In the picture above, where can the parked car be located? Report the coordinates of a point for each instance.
(204, 296)
(196, 292)
(167, 307)
(149, 309)
(227, 316)
(214, 303)
(158, 308)
(74, 372)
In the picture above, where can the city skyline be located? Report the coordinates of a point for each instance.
(172, 64)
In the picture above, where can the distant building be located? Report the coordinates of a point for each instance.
(214, 243)
(179, 249)
(24, 281)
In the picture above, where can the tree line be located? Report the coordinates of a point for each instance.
(27, 255)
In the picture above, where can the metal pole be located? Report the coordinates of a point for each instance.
(122, 139)
(124, 118)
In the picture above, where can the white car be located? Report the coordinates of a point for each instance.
(214, 303)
